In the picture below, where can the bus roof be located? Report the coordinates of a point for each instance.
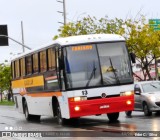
(79, 39)
(88, 38)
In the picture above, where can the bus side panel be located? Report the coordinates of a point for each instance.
(40, 105)
(63, 102)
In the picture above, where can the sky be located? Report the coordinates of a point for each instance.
(40, 18)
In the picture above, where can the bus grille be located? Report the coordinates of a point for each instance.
(99, 97)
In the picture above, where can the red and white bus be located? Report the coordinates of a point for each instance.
(74, 77)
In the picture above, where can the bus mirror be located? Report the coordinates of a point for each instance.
(133, 57)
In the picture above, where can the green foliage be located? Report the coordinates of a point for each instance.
(8, 103)
(5, 78)
(144, 42)
(91, 25)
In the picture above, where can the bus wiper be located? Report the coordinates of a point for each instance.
(91, 76)
(153, 86)
(115, 74)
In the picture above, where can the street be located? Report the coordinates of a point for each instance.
(12, 120)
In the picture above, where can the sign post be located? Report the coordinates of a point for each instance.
(155, 23)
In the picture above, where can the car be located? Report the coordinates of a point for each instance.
(147, 97)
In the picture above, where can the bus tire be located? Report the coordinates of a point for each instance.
(113, 116)
(128, 113)
(74, 121)
(60, 120)
(28, 116)
(36, 117)
(26, 112)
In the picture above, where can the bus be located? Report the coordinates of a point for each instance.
(73, 77)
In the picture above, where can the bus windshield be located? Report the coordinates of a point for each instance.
(99, 64)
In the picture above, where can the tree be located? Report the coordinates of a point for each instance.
(144, 42)
(91, 25)
(5, 79)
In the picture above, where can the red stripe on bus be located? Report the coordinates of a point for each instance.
(51, 78)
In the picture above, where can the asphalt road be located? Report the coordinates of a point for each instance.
(91, 127)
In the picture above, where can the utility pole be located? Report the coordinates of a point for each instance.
(23, 48)
(64, 11)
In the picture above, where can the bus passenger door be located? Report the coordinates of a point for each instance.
(60, 68)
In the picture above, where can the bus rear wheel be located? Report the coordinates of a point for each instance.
(28, 116)
(113, 116)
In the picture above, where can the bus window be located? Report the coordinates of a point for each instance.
(17, 70)
(57, 63)
(51, 81)
(35, 63)
(29, 64)
(13, 70)
(82, 66)
(22, 63)
(51, 58)
(114, 63)
(43, 61)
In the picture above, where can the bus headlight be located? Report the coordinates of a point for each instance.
(128, 102)
(79, 98)
(77, 108)
(127, 93)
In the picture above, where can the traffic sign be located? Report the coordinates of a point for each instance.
(155, 23)
(3, 31)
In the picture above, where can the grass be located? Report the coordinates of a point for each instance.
(8, 103)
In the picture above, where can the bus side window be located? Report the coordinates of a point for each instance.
(43, 61)
(51, 58)
(35, 63)
(13, 70)
(51, 79)
(29, 64)
(22, 66)
(17, 68)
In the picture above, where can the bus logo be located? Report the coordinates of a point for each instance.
(104, 106)
(103, 95)
(84, 92)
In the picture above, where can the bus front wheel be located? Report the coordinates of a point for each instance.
(128, 113)
(60, 120)
(113, 116)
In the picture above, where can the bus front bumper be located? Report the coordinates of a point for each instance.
(101, 106)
